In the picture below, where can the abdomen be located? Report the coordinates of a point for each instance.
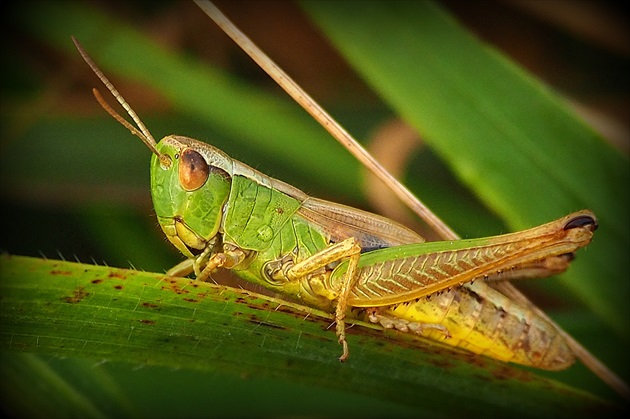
(483, 321)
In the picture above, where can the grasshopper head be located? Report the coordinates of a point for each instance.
(190, 180)
(190, 185)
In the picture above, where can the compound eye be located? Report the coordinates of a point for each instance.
(193, 170)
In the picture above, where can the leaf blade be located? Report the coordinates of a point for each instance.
(68, 309)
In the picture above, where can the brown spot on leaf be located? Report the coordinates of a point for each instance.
(97, 281)
(147, 321)
(149, 305)
(441, 363)
(119, 287)
(58, 272)
(175, 286)
(508, 372)
(191, 300)
(116, 275)
(77, 295)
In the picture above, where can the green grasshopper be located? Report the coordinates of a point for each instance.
(221, 213)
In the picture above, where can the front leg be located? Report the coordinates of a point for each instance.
(207, 262)
(226, 259)
(191, 265)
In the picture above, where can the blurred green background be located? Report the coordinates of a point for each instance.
(75, 184)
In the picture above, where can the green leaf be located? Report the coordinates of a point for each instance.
(65, 309)
(33, 387)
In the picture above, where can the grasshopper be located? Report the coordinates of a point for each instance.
(221, 213)
(487, 316)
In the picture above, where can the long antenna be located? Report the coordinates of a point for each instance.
(143, 133)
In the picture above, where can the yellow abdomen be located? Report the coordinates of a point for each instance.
(483, 321)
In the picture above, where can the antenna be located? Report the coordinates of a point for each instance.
(143, 133)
